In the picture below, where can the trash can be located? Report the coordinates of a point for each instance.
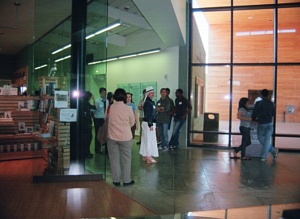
(211, 123)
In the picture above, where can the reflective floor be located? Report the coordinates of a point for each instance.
(194, 179)
(185, 183)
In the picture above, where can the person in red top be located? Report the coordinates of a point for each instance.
(119, 139)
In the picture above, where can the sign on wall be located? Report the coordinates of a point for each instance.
(137, 89)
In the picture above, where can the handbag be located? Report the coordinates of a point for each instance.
(102, 132)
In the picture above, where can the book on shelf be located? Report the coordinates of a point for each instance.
(44, 135)
(6, 119)
(21, 104)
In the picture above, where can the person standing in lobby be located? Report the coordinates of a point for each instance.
(245, 127)
(163, 118)
(119, 139)
(263, 113)
(171, 107)
(99, 116)
(86, 118)
(148, 147)
(181, 110)
(141, 114)
(134, 109)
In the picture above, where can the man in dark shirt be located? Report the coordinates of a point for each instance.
(163, 118)
(86, 119)
(171, 107)
(181, 110)
(263, 113)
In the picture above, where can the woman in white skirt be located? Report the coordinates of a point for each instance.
(148, 147)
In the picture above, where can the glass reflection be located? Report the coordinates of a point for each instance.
(205, 4)
(287, 107)
(52, 54)
(253, 36)
(248, 83)
(288, 35)
(252, 2)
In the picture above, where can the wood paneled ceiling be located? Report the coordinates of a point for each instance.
(222, 3)
(260, 17)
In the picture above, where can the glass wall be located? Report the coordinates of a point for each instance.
(52, 71)
(236, 54)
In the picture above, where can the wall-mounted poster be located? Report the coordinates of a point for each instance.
(61, 98)
(68, 115)
(29, 129)
(37, 127)
(21, 126)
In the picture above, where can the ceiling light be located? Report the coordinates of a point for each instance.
(127, 56)
(63, 58)
(39, 67)
(112, 59)
(61, 49)
(107, 28)
(147, 52)
(264, 32)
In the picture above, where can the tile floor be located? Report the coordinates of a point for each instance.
(195, 179)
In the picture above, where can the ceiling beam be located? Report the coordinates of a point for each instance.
(162, 18)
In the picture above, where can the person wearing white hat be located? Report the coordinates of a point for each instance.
(148, 147)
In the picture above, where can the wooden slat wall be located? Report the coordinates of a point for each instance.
(9, 131)
(10, 103)
(251, 49)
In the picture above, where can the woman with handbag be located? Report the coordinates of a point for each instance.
(119, 139)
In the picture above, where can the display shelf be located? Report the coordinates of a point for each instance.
(22, 155)
(11, 140)
(60, 135)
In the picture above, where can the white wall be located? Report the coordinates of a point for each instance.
(159, 67)
(180, 12)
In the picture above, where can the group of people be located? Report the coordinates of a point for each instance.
(119, 113)
(263, 113)
(159, 116)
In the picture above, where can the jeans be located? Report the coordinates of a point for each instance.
(264, 134)
(163, 133)
(178, 123)
(246, 140)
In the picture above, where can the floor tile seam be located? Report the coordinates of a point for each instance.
(173, 181)
(250, 205)
(208, 182)
(216, 201)
(138, 201)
